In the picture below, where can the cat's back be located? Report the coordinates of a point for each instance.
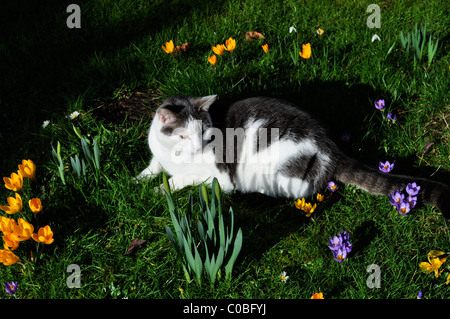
(272, 112)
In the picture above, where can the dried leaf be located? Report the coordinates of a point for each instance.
(182, 48)
(135, 245)
(253, 35)
(427, 147)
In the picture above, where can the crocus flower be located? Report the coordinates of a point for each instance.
(35, 205)
(23, 229)
(345, 137)
(396, 198)
(380, 105)
(404, 208)
(339, 254)
(44, 235)
(15, 205)
(230, 44)
(212, 59)
(11, 241)
(283, 276)
(218, 49)
(331, 187)
(320, 197)
(8, 258)
(293, 29)
(306, 53)
(434, 263)
(265, 47)
(340, 246)
(309, 209)
(28, 169)
(345, 240)
(412, 200)
(412, 189)
(299, 203)
(5, 224)
(386, 167)
(11, 287)
(334, 243)
(317, 295)
(169, 47)
(391, 117)
(15, 183)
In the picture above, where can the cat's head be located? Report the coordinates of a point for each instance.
(182, 120)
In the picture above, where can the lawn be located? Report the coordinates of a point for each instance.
(114, 73)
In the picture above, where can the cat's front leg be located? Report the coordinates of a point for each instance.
(151, 171)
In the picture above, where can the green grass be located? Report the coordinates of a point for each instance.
(49, 71)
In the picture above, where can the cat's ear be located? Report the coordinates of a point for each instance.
(203, 103)
(165, 116)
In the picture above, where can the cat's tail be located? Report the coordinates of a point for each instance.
(379, 183)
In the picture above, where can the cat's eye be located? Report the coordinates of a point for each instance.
(184, 136)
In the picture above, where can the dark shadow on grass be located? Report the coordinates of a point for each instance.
(45, 64)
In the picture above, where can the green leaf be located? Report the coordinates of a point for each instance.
(77, 131)
(236, 250)
(96, 155)
(166, 185)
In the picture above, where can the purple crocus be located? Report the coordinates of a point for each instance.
(11, 287)
(340, 246)
(334, 243)
(404, 208)
(385, 167)
(412, 189)
(396, 198)
(412, 200)
(380, 104)
(391, 117)
(339, 254)
(331, 187)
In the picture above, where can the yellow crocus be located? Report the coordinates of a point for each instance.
(169, 47)
(44, 235)
(265, 47)
(230, 44)
(28, 169)
(11, 241)
(212, 59)
(306, 53)
(435, 262)
(218, 49)
(5, 224)
(15, 182)
(23, 229)
(7, 257)
(35, 205)
(300, 203)
(15, 205)
(317, 295)
(309, 209)
(320, 197)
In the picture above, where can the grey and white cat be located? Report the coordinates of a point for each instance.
(262, 145)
